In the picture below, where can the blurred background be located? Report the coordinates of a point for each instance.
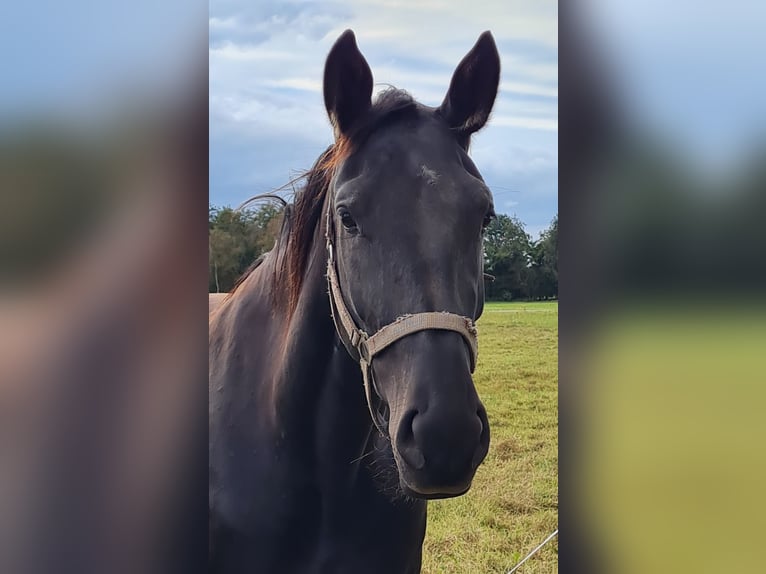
(103, 281)
(661, 276)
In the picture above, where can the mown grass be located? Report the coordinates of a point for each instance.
(513, 503)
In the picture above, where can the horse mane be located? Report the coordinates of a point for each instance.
(293, 245)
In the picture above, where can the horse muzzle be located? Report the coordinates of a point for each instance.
(438, 451)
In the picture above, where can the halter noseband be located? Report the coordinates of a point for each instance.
(363, 347)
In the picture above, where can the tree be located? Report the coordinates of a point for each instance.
(507, 256)
(545, 263)
(236, 239)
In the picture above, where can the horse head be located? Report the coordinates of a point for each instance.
(405, 216)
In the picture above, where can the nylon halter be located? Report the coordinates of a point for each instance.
(363, 347)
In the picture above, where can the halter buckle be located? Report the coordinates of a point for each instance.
(364, 351)
(359, 342)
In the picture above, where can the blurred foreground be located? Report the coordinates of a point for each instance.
(103, 303)
(662, 268)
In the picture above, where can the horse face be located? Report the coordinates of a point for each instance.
(409, 208)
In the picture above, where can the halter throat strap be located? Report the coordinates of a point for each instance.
(363, 347)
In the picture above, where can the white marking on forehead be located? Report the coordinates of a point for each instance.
(428, 174)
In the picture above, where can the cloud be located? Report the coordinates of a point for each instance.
(527, 122)
(231, 51)
(304, 84)
(529, 89)
(215, 24)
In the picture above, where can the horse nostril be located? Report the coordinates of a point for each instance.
(483, 425)
(483, 446)
(406, 432)
(413, 456)
(406, 446)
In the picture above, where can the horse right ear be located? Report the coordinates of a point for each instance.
(347, 84)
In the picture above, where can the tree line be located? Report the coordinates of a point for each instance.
(521, 268)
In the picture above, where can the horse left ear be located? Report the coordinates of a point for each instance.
(473, 89)
(347, 84)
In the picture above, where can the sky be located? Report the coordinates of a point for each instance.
(267, 117)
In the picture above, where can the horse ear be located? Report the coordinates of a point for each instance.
(347, 83)
(473, 88)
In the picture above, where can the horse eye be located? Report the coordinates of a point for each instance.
(488, 219)
(346, 219)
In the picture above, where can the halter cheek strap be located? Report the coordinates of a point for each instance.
(363, 347)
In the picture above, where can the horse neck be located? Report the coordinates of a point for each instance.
(324, 388)
(325, 383)
(313, 358)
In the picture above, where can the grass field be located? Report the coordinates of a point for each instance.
(513, 503)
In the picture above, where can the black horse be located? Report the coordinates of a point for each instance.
(317, 465)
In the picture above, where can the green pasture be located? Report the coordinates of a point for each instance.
(513, 503)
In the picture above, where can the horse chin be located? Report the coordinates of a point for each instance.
(435, 494)
(393, 477)
(413, 488)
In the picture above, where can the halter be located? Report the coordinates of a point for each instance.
(363, 347)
